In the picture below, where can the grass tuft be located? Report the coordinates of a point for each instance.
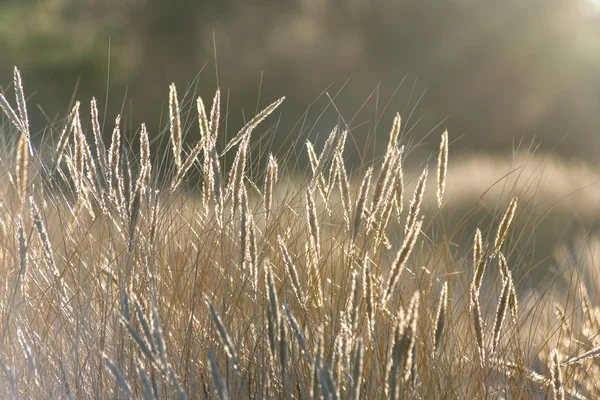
(130, 275)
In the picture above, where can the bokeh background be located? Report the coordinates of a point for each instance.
(501, 76)
(498, 74)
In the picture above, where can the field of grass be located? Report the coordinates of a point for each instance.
(264, 284)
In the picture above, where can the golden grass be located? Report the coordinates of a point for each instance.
(442, 168)
(120, 284)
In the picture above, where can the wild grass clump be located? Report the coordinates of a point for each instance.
(121, 284)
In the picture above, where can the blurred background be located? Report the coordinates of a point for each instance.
(497, 74)
(500, 75)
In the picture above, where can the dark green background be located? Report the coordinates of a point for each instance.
(493, 72)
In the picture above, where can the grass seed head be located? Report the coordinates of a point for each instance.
(558, 389)
(359, 208)
(500, 313)
(175, 125)
(442, 168)
(270, 180)
(441, 318)
(417, 201)
(395, 132)
(504, 225)
(477, 322)
(401, 259)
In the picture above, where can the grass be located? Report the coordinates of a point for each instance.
(269, 285)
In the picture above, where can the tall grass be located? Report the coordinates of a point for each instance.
(118, 284)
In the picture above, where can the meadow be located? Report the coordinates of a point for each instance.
(133, 273)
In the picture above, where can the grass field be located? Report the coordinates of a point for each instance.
(254, 282)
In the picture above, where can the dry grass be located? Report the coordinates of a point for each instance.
(119, 284)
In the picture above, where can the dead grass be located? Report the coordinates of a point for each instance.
(119, 284)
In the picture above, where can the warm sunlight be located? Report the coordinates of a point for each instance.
(595, 4)
(412, 215)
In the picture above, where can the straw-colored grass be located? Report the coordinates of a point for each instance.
(154, 272)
